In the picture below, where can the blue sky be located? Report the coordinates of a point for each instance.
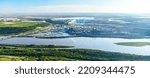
(50, 6)
(54, 2)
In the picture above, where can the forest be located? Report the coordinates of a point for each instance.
(50, 53)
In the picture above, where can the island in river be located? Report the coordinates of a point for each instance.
(136, 44)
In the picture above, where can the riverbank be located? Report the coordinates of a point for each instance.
(33, 46)
(106, 44)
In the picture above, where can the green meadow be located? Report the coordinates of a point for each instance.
(15, 28)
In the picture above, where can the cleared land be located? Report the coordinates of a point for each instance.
(135, 44)
(16, 28)
(18, 24)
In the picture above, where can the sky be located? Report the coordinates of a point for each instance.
(73, 6)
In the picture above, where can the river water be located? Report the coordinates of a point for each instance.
(106, 44)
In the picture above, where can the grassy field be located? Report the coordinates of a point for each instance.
(18, 24)
(16, 53)
(135, 44)
(10, 58)
(16, 28)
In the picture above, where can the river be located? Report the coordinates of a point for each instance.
(106, 44)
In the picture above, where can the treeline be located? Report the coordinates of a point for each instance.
(12, 30)
(34, 46)
(47, 54)
(61, 22)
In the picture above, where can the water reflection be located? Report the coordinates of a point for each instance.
(106, 44)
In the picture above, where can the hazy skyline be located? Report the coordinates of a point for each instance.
(63, 6)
